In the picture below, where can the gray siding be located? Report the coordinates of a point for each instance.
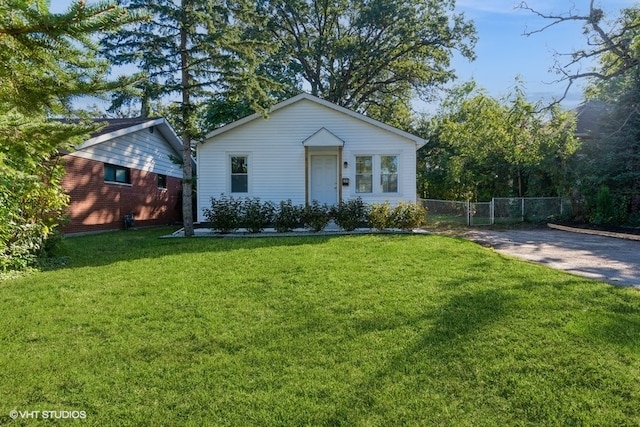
(141, 150)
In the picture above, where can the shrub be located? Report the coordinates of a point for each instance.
(256, 215)
(288, 216)
(351, 215)
(380, 215)
(316, 216)
(610, 208)
(20, 246)
(604, 206)
(225, 214)
(408, 216)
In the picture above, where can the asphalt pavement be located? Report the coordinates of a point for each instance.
(609, 259)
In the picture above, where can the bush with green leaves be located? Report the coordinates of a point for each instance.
(380, 215)
(610, 208)
(316, 216)
(256, 215)
(288, 216)
(32, 200)
(407, 216)
(351, 214)
(225, 214)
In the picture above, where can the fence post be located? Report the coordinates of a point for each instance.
(492, 211)
(522, 210)
(469, 213)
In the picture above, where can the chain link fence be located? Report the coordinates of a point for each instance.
(502, 210)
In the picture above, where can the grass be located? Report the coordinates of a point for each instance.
(322, 331)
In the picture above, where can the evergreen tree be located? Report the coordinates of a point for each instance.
(193, 49)
(609, 161)
(48, 60)
(611, 158)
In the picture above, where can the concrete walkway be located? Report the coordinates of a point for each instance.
(609, 259)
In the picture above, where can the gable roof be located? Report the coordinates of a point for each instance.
(120, 127)
(305, 96)
(323, 138)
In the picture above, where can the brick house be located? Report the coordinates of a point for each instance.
(125, 168)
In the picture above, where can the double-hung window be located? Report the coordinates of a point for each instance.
(376, 174)
(364, 174)
(389, 174)
(120, 174)
(239, 174)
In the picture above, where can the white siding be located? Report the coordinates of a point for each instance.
(141, 150)
(277, 156)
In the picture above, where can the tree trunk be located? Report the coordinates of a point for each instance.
(187, 172)
(145, 106)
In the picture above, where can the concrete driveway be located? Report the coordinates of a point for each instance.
(609, 259)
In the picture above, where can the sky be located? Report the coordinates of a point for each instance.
(504, 53)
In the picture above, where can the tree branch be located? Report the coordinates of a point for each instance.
(602, 42)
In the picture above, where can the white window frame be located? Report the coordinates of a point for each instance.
(230, 172)
(397, 173)
(373, 162)
(376, 189)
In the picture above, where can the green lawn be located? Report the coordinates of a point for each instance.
(370, 330)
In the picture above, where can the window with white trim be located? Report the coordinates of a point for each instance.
(364, 174)
(377, 173)
(389, 174)
(239, 174)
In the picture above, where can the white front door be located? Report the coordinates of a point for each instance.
(324, 179)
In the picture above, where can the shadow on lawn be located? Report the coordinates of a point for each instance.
(108, 248)
(443, 351)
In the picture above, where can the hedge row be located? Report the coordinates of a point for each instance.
(227, 214)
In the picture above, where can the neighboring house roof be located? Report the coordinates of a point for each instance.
(590, 118)
(305, 96)
(115, 128)
(120, 127)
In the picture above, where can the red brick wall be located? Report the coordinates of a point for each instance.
(96, 205)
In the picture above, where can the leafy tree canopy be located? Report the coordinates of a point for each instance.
(372, 56)
(480, 147)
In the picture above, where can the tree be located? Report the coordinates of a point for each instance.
(369, 56)
(480, 147)
(192, 48)
(611, 160)
(48, 59)
(616, 41)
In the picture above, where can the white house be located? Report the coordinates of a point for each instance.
(308, 149)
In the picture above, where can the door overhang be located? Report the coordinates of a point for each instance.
(323, 138)
(322, 141)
